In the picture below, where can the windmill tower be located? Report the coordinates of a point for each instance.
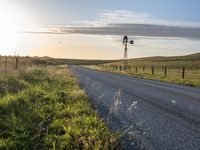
(125, 43)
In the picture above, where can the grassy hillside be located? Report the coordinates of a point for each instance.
(46, 109)
(189, 61)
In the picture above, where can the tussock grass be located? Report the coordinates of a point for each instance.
(46, 109)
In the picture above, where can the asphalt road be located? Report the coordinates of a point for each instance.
(157, 115)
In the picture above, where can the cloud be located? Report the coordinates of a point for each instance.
(130, 17)
(121, 22)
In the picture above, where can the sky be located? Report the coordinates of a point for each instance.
(93, 29)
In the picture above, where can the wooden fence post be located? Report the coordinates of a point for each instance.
(183, 73)
(120, 68)
(152, 70)
(17, 63)
(6, 64)
(136, 69)
(143, 68)
(25, 64)
(165, 71)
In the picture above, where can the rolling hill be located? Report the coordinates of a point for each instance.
(189, 61)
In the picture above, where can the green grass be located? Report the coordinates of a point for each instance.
(46, 109)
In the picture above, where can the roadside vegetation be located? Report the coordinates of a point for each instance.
(192, 77)
(46, 109)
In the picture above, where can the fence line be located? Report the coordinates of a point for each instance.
(163, 71)
(12, 63)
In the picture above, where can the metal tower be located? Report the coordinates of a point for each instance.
(125, 43)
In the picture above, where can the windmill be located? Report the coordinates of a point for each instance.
(125, 43)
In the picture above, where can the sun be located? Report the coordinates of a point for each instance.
(12, 20)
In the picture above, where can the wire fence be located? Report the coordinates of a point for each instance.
(17, 63)
(176, 72)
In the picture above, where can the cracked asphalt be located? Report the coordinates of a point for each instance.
(149, 114)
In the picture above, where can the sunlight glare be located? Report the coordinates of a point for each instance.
(11, 21)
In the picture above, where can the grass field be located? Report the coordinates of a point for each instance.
(174, 69)
(189, 61)
(46, 109)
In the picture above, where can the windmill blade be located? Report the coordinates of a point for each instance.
(131, 42)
